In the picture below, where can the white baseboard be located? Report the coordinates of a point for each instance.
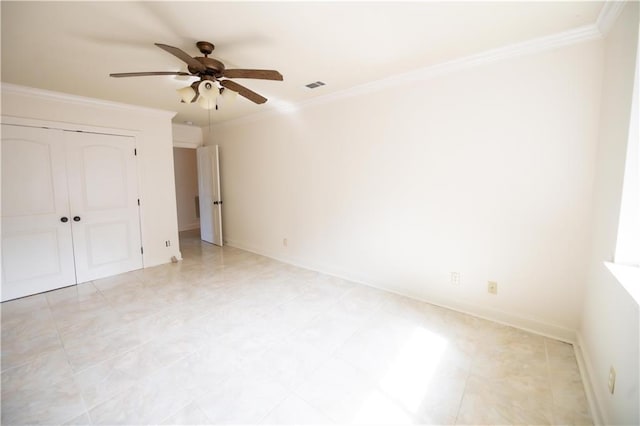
(586, 372)
(528, 324)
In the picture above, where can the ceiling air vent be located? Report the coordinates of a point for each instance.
(314, 85)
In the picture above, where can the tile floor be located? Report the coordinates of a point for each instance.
(227, 336)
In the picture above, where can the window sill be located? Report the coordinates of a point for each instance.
(628, 277)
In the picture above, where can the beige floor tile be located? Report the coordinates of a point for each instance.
(295, 411)
(505, 401)
(81, 420)
(330, 329)
(202, 372)
(41, 371)
(108, 378)
(149, 402)
(345, 395)
(291, 361)
(386, 343)
(244, 398)
(25, 337)
(228, 336)
(48, 405)
(117, 282)
(86, 318)
(24, 305)
(88, 349)
(433, 317)
(189, 415)
(73, 295)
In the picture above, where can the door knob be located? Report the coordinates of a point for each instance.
(64, 219)
(76, 218)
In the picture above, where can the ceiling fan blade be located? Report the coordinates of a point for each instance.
(142, 74)
(259, 74)
(180, 54)
(243, 91)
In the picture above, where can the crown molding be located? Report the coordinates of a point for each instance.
(9, 88)
(608, 15)
(186, 144)
(541, 44)
(64, 125)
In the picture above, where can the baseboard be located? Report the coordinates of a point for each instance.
(528, 324)
(586, 372)
(535, 326)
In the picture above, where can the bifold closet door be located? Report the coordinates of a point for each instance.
(69, 208)
(103, 196)
(37, 247)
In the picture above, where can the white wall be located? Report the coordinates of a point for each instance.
(186, 172)
(152, 130)
(185, 136)
(610, 320)
(486, 171)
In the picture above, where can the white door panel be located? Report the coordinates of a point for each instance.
(217, 195)
(37, 250)
(50, 177)
(29, 168)
(210, 195)
(22, 248)
(104, 204)
(104, 171)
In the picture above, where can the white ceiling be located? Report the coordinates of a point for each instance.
(72, 47)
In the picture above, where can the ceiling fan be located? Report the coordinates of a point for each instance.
(210, 71)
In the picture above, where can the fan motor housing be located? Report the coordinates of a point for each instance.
(214, 67)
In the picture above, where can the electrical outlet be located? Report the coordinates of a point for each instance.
(167, 243)
(492, 287)
(285, 242)
(612, 379)
(455, 278)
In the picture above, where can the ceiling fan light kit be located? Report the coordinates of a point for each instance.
(207, 103)
(229, 95)
(209, 90)
(187, 94)
(213, 87)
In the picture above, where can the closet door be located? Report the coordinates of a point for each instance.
(37, 251)
(103, 195)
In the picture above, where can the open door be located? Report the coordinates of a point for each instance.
(210, 196)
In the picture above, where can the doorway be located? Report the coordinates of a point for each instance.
(185, 166)
(198, 193)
